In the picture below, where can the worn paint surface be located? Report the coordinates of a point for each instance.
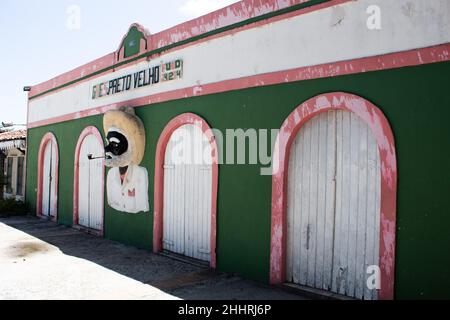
(48, 166)
(327, 44)
(333, 205)
(234, 13)
(411, 99)
(136, 32)
(378, 63)
(187, 193)
(99, 194)
(380, 128)
(158, 223)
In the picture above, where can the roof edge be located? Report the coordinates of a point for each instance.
(235, 13)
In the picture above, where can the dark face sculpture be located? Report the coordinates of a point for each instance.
(117, 143)
(116, 151)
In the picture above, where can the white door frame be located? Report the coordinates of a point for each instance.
(187, 189)
(91, 130)
(48, 138)
(381, 129)
(175, 123)
(333, 223)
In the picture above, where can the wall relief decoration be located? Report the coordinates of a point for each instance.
(127, 182)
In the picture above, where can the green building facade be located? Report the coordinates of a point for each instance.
(230, 83)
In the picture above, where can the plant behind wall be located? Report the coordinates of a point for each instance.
(12, 207)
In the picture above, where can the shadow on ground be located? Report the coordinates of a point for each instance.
(174, 277)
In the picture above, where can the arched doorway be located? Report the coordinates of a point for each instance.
(89, 184)
(334, 197)
(47, 195)
(186, 175)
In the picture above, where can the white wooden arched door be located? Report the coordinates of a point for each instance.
(49, 204)
(90, 184)
(334, 187)
(188, 194)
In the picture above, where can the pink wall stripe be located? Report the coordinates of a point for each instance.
(235, 13)
(73, 75)
(410, 58)
(232, 14)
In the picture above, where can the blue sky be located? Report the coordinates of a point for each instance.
(37, 43)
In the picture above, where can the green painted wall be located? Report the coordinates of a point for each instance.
(132, 42)
(415, 101)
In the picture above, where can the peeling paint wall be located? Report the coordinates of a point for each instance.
(414, 101)
(250, 78)
(332, 34)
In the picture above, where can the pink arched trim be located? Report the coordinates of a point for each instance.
(49, 137)
(76, 178)
(385, 140)
(174, 124)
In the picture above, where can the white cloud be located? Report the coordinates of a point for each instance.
(197, 8)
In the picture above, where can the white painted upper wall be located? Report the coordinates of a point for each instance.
(332, 34)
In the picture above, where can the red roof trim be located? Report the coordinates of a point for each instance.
(237, 12)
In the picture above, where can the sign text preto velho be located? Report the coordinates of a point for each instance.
(161, 73)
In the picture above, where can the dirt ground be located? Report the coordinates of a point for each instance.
(40, 260)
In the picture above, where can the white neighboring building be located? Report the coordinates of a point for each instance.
(13, 158)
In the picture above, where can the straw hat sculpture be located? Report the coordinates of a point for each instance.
(125, 134)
